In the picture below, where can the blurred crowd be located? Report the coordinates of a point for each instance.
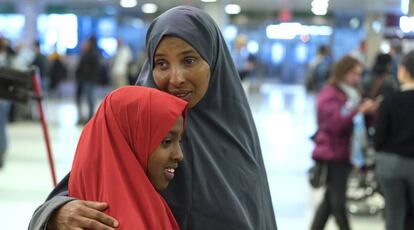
(87, 72)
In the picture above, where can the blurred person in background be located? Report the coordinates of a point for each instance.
(4, 117)
(6, 53)
(119, 66)
(318, 70)
(23, 57)
(88, 77)
(394, 143)
(379, 82)
(58, 71)
(135, 66)
(337, 105)
(243, 60)
(5, 61)
(41, 62)
(396, 53)
(360, 53)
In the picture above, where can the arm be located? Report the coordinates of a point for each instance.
(335, 120)
(63, 212)
(56, 199)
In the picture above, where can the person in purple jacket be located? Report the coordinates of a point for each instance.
(337, 104)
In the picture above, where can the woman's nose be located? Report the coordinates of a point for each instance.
(177, 77)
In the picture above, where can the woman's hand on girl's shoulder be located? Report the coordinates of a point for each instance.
(80, 214)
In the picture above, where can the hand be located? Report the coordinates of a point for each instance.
(80, 214)
(368, 106)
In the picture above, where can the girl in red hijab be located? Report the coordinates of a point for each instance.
(127, 153)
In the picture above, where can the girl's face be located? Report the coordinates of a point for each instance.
(353, 76)
(180, 70)
(163, 162)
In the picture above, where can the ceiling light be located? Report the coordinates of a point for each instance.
(405, 6)
(320, 7)
(320, 3)
(289, 30)
(230, 32)
(128, 3)
(407, 24)
(319, 11)
(285, 30)
(208, 0)
(354, 23)
(376, 26)
(232, 9)
(149, 8)
(253, 47)
(385, 47)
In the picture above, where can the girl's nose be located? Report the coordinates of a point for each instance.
(178, 154)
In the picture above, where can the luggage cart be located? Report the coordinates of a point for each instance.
(22, 87)
(363, 192)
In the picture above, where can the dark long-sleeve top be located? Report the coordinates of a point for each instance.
(395, 125)
(89, 67)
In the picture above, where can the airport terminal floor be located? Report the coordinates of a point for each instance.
(285, 119)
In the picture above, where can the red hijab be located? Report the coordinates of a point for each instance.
(111, 159)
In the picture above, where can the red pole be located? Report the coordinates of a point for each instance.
(38, 91)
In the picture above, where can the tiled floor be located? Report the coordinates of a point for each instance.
(284, 117)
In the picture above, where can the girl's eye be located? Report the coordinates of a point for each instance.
(166, 142)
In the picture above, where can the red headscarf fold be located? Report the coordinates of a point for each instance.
(111, 159)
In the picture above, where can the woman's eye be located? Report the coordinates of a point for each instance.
(160, 63)
(189, 61)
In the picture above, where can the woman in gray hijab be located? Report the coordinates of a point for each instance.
(222, 183)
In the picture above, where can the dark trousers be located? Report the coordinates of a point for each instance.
(334, 201)
(396, 178)
(86, 89)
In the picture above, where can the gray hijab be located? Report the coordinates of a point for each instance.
(222, 183)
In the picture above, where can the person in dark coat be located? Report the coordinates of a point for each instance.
(41, 62)
(222, 183)
(380, 81)
(88, 77)
(394, 143)
(58, 71)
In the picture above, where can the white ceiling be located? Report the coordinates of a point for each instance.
(274, 5)
(264, 6)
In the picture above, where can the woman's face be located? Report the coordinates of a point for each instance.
(353, 76)
(163, 162)
(179, 70)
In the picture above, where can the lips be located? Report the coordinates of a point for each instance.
(183, 94)
(169, 172)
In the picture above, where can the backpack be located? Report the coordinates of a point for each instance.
(317, 78)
